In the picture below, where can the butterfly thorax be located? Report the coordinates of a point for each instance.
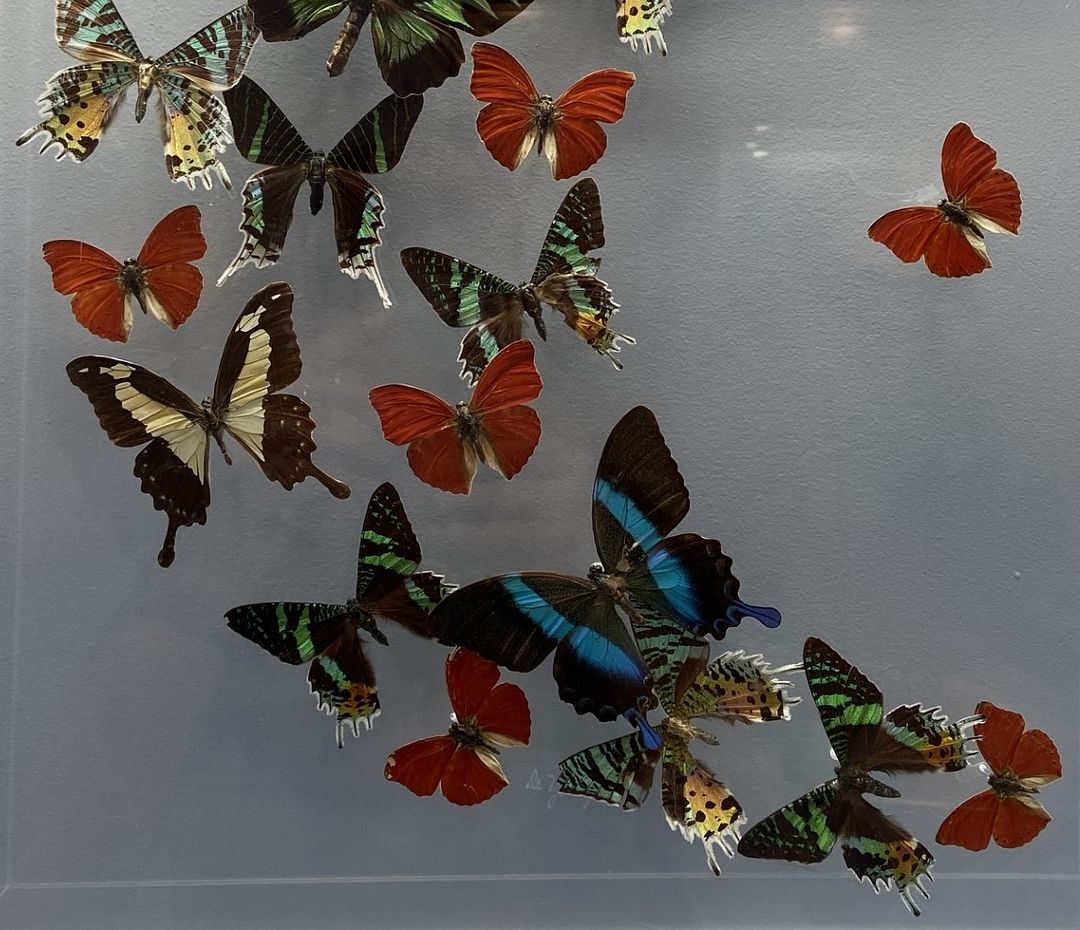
(211, 422)
(364, 620)
(468, 734)
(530, 303)
(466, 424)
(316, 178)
(148, 73)
(957, 214)
(859, 780)
(132, 279)
(1006, 785)
(613, 584)
(676, 728)
(544, 114)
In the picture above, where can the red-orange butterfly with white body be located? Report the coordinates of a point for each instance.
(979, 197)
(446, 444)
(1021, 762)
(161, 281)
(518, 118)
(488, 716)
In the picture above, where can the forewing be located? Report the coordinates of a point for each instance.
(639, 23)
(846, 699)
(803, 831)
(279, 20)
(994, 203)
(511, 379)
(618, 772)
(1036, 762)
(196, 127)
(269, 198)
(264, 134)
(89, 275)
(358, 217)
(470, 678)
(576, 230)
(420, 766)
(598, 96)
(503, 717)
(174, 285)
(93, 30)
(999, 734)
(697, 805)
(907, 232)
(498, 77)
(454, 288)
(736, 687)
(377, 142)
(387, 541)
(344, 681)
(176, 238)
(215, 57)
(78, 105)
(293, 632)
(407, 413)
(965, 161)
(638, 495)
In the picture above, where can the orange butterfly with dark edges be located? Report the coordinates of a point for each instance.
(1021, 761)
(446, 444)
(161, 281)
(518, 118)
(979, 197)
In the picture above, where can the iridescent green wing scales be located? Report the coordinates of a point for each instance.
(94, 30)
(295, 633)
(697, 805)
(387, 541)
(377, 142)
(216, 56)
(937, 745)
(803, 831)
(453, 287)
(279, 20)
(578, 229)
(618, 772)
(264, 134)
(845, 697)
(737, 687)
(344, 681)
(673, 655)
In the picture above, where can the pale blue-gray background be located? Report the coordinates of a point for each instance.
(892, 459)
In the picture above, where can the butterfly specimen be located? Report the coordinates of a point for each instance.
(518, 119)
(265, 136)
(139, 408)
(416, 41)
(487, 717)
(978, 198)
(328, 635)
(864, 739)
(640, 21)
(733, 688)
(79, 102)
(639, 497)
(1021, 762)
(495, 310)
(446, 444)
(161, 281)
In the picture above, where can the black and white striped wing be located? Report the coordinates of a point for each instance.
(136, 407)
(261, 357)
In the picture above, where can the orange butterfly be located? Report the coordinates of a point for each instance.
(1021, 762)
(446, 443)
(979, 197)
(161, 280)
(518, 119)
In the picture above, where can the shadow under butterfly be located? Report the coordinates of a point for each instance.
(265, 135)
(518, 619)
(864, 739)
(388, 585)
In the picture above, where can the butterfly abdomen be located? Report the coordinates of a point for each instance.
(147, 77)
(359, 10)
(316, 178)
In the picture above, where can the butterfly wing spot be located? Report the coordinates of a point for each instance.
(639, 23)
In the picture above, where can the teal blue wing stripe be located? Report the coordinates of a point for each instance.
(454, 288)
(94, 30)
(377, 142)
(269, 198)
(578, 229)
(358, 217)
(618, 772)
(295, 633)
(215, 57)
(387, 540)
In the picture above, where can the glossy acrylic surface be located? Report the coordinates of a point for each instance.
(890, 458)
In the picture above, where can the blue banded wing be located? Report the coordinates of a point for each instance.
(517, 620)
(295, 633)
(618, 772)
(215, 57)
(805, 830)
(196, 128)
(883, 853)
(576, 230)
(688, 579)
(78, 105)
(638, 495)
(848, 703)
(94, 30)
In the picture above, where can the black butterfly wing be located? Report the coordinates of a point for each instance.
(295, 633)
(377, 141)
(576, 230)
(344, 681)
(638, 495)
(137, 407)
(262, 131)
(618, 772)
(281, 20)
(261, 356)
(805, 830)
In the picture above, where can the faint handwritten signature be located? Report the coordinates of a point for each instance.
(550, 784)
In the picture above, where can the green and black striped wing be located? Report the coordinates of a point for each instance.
(280, 20)
(416, 41)
(674, 656)
(576, 230)
(849, 704)
(295, 633)
(266, 136)
(805, 830)
(618, 772)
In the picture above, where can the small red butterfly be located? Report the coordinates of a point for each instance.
(446, 443)
(487, 716)
(161, 280)
(978, 197)
(1021, 762)
(518, 119)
